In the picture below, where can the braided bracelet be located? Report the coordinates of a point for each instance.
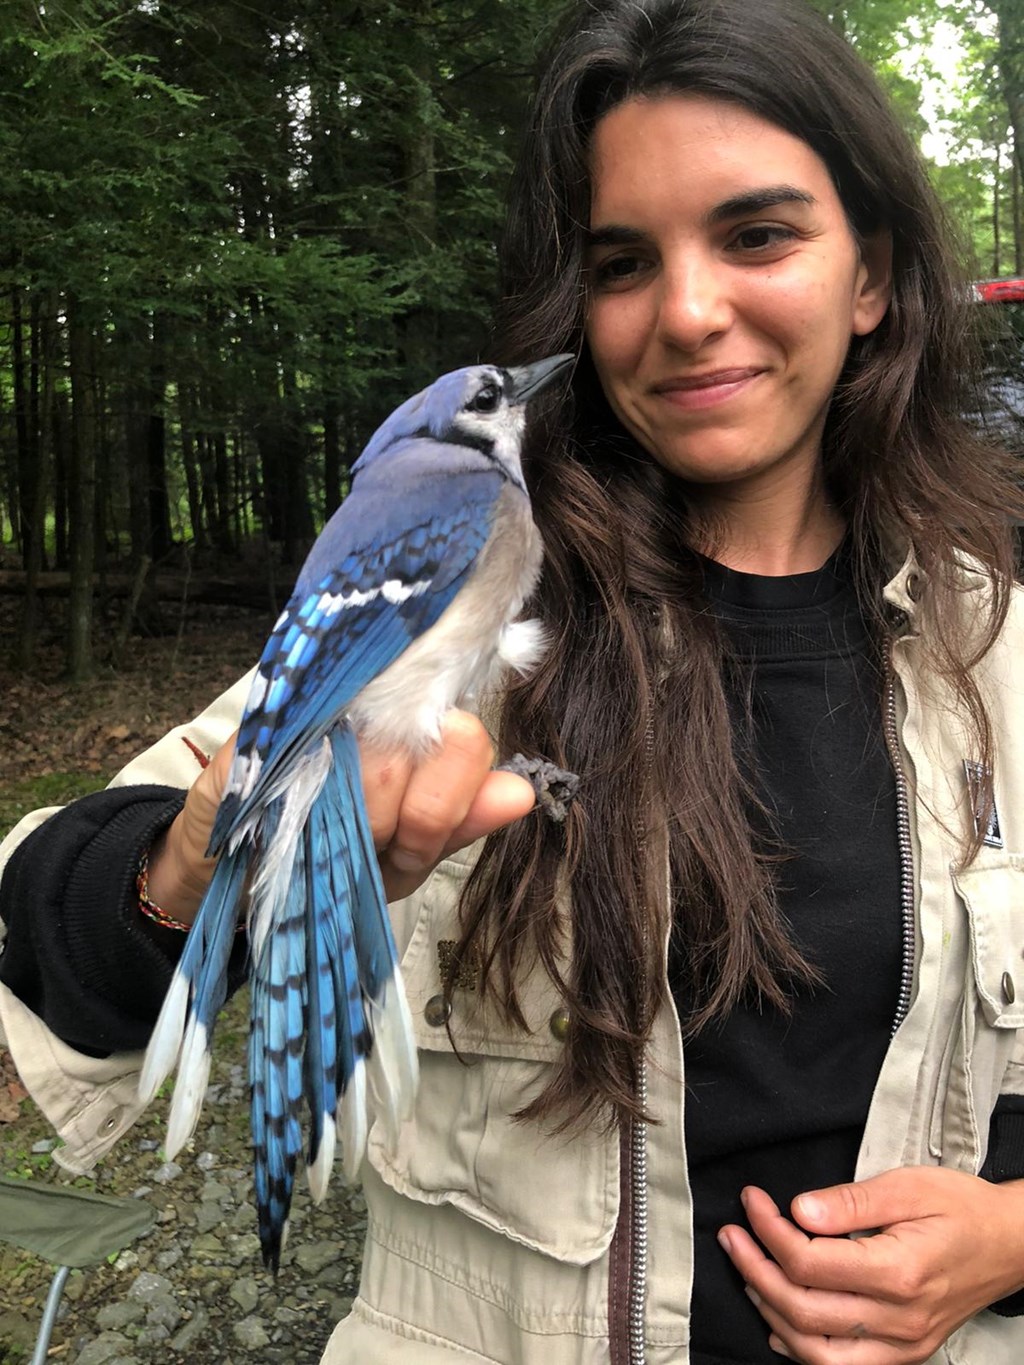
(149, 908)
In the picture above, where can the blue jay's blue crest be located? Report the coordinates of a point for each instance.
(407, 606)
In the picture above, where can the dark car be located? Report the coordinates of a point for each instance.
(1000, 407)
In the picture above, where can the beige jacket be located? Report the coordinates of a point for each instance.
(489, 1241)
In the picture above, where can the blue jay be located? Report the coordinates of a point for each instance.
(405, 608)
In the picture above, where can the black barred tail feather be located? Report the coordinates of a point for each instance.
(394, 1071)
(320, 1061)
(277, 1046)
(329, 1019)
(329, 1025)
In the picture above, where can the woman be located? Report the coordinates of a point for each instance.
(778, 581)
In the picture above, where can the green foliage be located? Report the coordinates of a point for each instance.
(280, 217)
(270, 223)
(49, 789)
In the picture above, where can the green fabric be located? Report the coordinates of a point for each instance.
(69, 1227)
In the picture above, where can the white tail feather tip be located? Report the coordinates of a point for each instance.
(165, 1040)
(189, 1089)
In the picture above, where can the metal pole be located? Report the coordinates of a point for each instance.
(50, 1314)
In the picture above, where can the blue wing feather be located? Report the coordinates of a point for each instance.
(316, 661)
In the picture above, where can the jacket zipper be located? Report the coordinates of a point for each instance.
(638, 1155)
(638, 1238)
(906, 851)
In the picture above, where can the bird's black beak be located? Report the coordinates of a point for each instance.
(529, 380)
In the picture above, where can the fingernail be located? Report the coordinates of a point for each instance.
(404, 861)
(752, 1295)
(810, 1208)
(777, 1346)
(725, 1242)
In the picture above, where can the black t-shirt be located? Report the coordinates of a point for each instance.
(779, 1101)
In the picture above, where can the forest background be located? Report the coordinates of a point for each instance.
(234, 235)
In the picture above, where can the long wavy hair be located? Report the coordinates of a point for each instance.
(632, 695)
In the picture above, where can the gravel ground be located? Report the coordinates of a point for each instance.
(194, 1287)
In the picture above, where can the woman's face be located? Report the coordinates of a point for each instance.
(724, 286)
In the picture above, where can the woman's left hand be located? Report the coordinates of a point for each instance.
(945, 1245)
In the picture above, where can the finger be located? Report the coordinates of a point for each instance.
(440, 791)
(449, 798)
(385, 776)
(863, 1205)
(866, 1265)
(821, 1348)
(179, 870)
(795, 1308)
(502, 798)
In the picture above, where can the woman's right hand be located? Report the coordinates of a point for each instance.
(419, 813)
(453, 796)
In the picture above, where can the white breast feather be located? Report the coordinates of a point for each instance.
(464, 653)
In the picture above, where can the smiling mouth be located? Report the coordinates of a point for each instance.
(694, 393)
(697, 383)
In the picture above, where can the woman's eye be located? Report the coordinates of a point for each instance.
(762, 238)
(616, 270)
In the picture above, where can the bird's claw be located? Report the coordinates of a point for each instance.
(554, 787)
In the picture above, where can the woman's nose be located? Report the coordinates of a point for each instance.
(694, 305)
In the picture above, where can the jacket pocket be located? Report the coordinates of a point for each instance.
(462, 1146)
(992, 889)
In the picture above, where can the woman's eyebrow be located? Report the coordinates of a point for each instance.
(613, 234)
(736, 206)
(756, 201)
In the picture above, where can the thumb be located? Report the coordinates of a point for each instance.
(860, 1206)
(502, 798)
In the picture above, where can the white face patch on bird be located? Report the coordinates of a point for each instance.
(493, 414)
(492, 421)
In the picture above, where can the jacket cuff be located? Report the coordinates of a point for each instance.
(1005, 1161)
(78, 953)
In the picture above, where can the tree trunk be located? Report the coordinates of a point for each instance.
(1010, 14)
(222, 482)
(419, 327)
(997, 190)
(332, 457)
(21, 516)
(61, 468)
(190, 463)
(156, 444)
(82, 356)
(31, 610)
(1018, 222)
(131, 339)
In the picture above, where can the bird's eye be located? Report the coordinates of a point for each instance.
(486, 400)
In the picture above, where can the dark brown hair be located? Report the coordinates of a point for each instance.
(631, 695)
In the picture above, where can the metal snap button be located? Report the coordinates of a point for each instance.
(1009, 990)
(437, 1011)
(559, 1024)
(914, 587)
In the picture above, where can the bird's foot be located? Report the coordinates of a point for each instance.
(554, 787)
